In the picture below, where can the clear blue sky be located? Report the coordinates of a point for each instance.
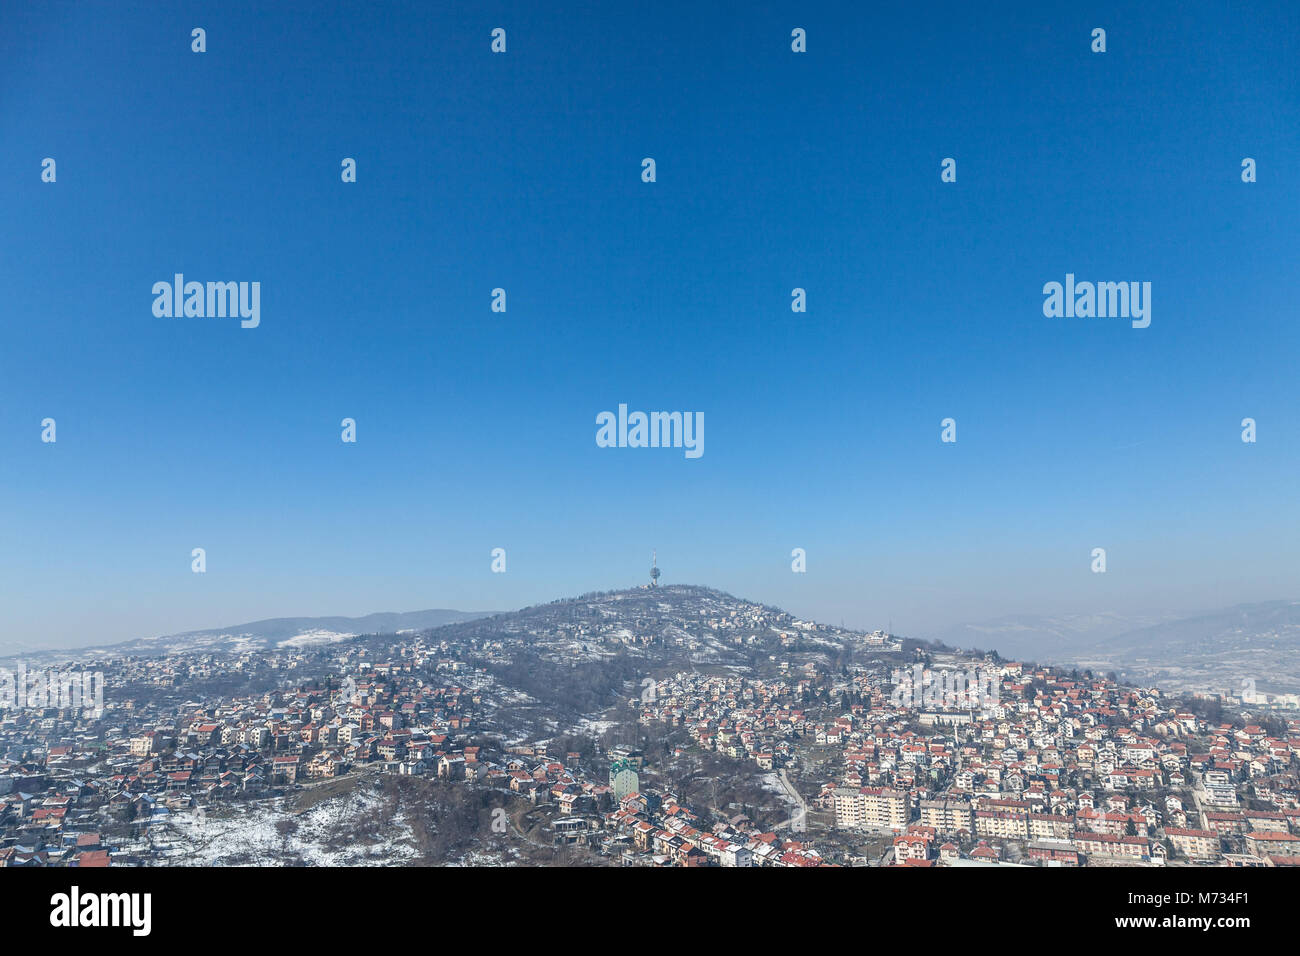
(775, 170)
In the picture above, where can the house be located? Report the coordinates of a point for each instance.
(734, 854)
(911, 846)
(284, 769)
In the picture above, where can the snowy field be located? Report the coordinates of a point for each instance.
(266, 834)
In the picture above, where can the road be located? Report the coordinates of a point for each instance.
(796, 821)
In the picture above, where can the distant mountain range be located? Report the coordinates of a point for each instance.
(1215, 650)
(1046, 637)
(273, 632)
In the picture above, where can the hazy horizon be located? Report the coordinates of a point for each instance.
(942, 631)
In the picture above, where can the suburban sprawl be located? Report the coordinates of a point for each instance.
(658, 726)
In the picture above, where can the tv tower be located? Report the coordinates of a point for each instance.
(654, 568)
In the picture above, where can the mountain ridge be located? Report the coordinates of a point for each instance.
(1212, 650)
(268, 632)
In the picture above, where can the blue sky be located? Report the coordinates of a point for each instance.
(775, 170)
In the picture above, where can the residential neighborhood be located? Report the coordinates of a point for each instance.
(805, 754)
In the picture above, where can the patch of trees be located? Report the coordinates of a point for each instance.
(446, 819)
(569, 689)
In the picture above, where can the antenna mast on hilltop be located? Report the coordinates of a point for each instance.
(654, 568)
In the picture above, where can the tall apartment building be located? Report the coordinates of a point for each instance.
(948, 816)
(1002, 824)
(871, 808)
(1197, 844)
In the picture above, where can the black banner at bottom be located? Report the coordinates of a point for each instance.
(172, 905)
